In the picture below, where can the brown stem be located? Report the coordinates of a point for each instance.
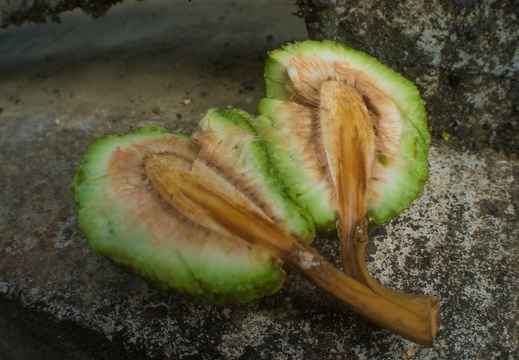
(418, 321)
(207, 199)
(349, 140)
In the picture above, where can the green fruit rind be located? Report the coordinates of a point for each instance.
(303, 182)
(203, 271)
(246, 151)
(403, 177)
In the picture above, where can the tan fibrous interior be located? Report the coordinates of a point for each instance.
(307, 75)
(226, 156)
(132, 185)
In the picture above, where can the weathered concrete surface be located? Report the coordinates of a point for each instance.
(17, 12)
(463, 55)
(136, 67)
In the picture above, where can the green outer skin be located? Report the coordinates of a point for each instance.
(248, 152)
(408, 174)
(205, 275)
(307, 188)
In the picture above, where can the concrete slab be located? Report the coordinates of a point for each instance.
(165, 63)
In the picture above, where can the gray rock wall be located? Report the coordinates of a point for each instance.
(463, 55)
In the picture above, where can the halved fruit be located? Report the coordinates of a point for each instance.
(125, 218)
(357, 127)
(294, 76)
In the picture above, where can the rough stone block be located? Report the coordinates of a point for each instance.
(463, 55)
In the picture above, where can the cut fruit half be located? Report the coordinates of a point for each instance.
(125, 218)
(294, 76)
(359, 128)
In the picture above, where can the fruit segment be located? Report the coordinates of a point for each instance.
(294, 75)
(125, 219)
(363, 128)
(291, 132)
